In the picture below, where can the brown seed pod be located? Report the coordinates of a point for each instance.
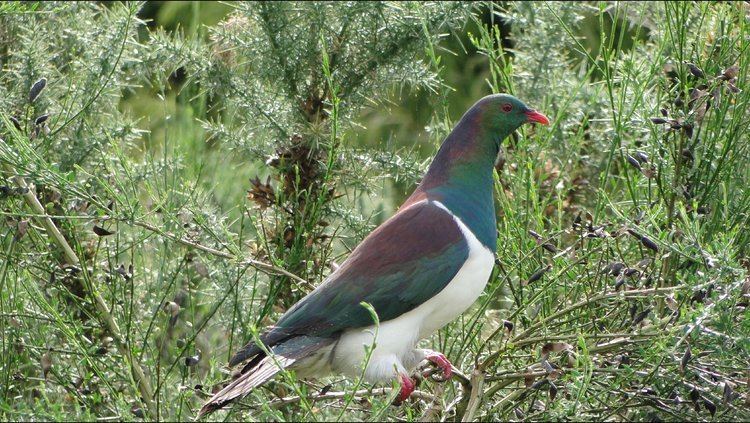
(695, 70)
(646, 241)
(15, 123)
(36, 89)
(664, 112)
(710, 406)
(688, 130)
(641, 156)
(730, 73)
(99, 231)
(634, 162)
(549, 247)
(640, 316)
(695, 395)
(658, 120)
(528, 380)
(192, 360)
(685, 359)
(539, 384)
(726, 395)
(620, 282)
(289, 234)
(538, 274)
(41, 119)
(262, 193)
(614, 268)
(552, 391)
(632, 273)
(698, 296)
(137, 411)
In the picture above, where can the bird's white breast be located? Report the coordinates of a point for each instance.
(463, 289)
(397, 338)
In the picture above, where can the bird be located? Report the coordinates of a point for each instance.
(418, 271)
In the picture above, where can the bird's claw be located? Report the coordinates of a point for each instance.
(407, 387)
(442, 364)
(440, 370)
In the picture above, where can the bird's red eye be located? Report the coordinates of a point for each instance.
(507, 107)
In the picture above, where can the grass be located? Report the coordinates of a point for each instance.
(621, 287)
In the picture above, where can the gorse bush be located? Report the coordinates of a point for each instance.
(166, 196)
(286, 91)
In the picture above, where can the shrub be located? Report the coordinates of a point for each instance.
(167, 195)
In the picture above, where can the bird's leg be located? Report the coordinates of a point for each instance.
(407, 387)
(442, 363)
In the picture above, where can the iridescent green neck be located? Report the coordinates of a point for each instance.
(461, 177)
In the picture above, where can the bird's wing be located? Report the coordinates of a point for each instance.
(400, 265)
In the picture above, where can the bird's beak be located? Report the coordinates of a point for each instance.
(534, 116)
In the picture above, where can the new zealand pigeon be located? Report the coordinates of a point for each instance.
(419, 270)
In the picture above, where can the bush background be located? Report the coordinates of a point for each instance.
(202, 166)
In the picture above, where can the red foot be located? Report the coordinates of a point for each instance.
(407, 387)
(441, 362)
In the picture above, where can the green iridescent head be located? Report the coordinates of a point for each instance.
(503, 113)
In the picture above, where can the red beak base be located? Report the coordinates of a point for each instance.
(537, 117)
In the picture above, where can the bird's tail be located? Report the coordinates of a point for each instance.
(246, 382)
(259, 370)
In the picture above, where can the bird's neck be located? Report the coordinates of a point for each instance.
(461, 178)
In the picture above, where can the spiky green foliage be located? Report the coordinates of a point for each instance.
(627, 301)
(641, 256)
(286, 79)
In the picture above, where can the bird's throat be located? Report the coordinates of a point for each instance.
(461, 177)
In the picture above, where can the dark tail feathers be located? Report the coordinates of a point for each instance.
(262, 368)
(252, 378)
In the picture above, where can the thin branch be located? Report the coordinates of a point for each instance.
(475, 398)
(262, 266)
(552, 317)
(515, 376)
(420, 395)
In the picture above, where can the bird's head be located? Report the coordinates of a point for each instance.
(502, 114)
